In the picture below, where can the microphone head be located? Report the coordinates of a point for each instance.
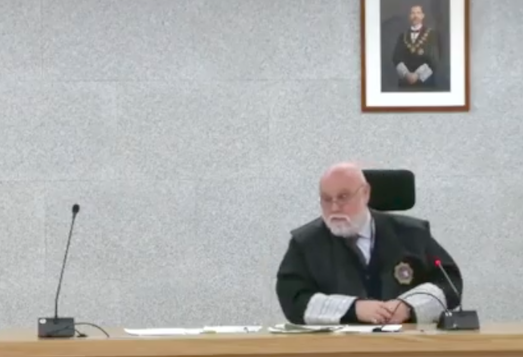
(76, 208)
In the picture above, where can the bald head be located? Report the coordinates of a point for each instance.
(344, 195)
(348, 172)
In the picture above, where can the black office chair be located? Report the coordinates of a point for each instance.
(391, 190)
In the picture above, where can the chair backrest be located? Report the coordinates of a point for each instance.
(391, 190)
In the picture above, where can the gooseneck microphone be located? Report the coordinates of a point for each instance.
(60, 326)
(76, 209)
(456, 320)
(452, 286)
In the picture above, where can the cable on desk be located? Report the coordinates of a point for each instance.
(92, 325)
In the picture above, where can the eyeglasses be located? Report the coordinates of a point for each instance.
(341, 199)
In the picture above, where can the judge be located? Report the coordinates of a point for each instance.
(357, 265)
(417, 54)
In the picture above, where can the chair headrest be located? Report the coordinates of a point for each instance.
(391, 190)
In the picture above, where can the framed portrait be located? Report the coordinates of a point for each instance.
(410, 62)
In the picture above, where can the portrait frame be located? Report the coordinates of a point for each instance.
(375, 70)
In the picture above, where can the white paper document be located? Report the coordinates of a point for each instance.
(191, 331)
(231, 329)
(368, 328)
(163, 331)
(293, 328)
(297, 329)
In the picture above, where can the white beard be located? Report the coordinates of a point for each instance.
(343, 226)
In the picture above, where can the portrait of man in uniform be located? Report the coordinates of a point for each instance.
(416, 54)
(409, 60)
(415, 45)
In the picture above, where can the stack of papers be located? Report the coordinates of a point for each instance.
(295, 329)
(191, 331)
(231, 329)
(369, 328)
(286, 328)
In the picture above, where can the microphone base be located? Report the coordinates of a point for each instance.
(61, 327)
(458, 320)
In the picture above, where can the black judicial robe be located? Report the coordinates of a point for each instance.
(424, 50)
(318, 262)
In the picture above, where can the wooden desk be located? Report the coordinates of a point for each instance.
(421, 341)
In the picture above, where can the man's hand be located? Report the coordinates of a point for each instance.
(412, 78)
(400, 311)
(372, 311)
